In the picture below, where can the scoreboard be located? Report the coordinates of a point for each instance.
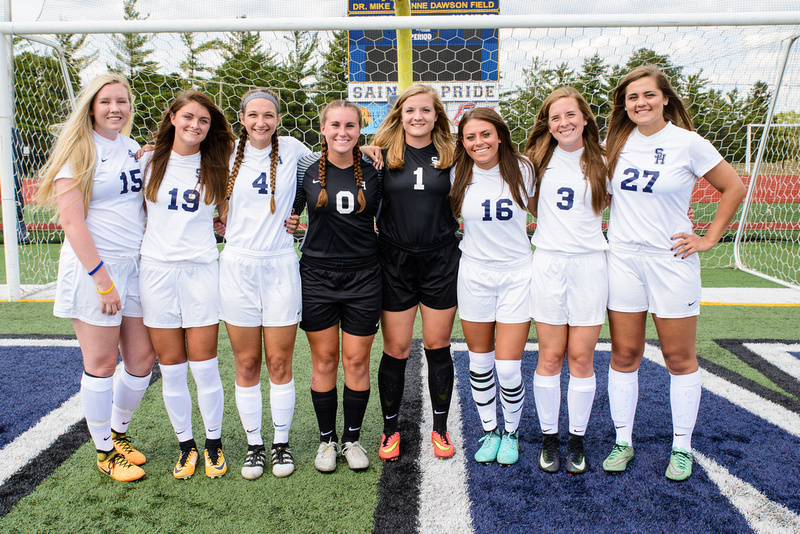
(438, 55)
(461, 64)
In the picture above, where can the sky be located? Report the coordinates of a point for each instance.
(187, 9)
(728, 57)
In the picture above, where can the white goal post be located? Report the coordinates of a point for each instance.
(727, 84)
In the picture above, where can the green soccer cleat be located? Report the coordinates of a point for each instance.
(508, 454)
(618, 459)
(680, 465)
(491, 445)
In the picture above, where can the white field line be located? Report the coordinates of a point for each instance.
(39, 343)
(763, 408)
(33, 441)
(778, 355)
(761, 514)
(444, 502)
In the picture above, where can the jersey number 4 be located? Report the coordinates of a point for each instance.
(135, 179)
(502, 209)
(261, 184)
(628, 184)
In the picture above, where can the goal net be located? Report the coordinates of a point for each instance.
(725, 74)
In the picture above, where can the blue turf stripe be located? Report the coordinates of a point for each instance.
(33, 382)
(521, 497)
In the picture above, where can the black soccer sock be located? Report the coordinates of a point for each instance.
(325, 405)
(355, 406)
(213, 444)
(391, 381)
(188, 445)
(440, 385)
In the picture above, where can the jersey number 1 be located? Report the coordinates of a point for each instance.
(418, 185)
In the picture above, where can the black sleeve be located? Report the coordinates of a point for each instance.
(302, 166)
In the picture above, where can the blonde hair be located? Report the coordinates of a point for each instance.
(392, 136)
(75, 142)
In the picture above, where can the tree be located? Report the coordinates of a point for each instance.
(593, 84)
(41, 101)
(131, 54)
(300, 114)
(192, 66)
(77, 60)
(519, 106)
(245, 65)
(333, 73)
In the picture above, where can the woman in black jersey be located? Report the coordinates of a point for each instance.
(419, 257)
(341, 278)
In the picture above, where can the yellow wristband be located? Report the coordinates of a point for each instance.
(107, 291)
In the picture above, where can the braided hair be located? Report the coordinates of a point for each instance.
(274, 143)
(322, 200)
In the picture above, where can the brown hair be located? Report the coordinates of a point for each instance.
(273, 157)
(215, 150)
(510, 160)
(620, 125)
(541, 145)
(323, 160)
(392, 136)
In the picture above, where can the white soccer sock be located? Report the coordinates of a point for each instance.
(484, 391)
(210, 397)
(281, 403)
(580, 397)
(684, 398)
(176, 398)
(249, 404)
(512, 391)
(547, 394)
(128, 393)
(623, 395)
(96, 394)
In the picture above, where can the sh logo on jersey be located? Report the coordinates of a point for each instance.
(660, 156)
(131, 154)
(434, 161)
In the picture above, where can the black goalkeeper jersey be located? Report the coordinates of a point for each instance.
(335, 231)
(416, 213)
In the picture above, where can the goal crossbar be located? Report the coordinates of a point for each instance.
(773, 18)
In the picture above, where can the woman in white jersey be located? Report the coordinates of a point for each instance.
(654, 159)
(569, 290)
(260, 276)
(185, 179)
(94, 178)
(492, 185)
(419, 258)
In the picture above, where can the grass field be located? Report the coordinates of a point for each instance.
(76, 498)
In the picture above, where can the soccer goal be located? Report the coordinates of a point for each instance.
(725, 66)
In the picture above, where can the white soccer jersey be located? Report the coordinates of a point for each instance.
(179, 224)
(652, 186)
(251, 225)
(494, 225)
(116, 213)
(566, 222)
